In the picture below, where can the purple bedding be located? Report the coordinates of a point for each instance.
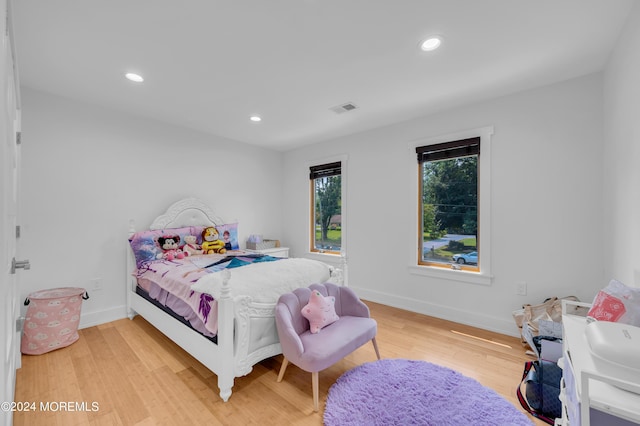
(172, 281)
(177, 305)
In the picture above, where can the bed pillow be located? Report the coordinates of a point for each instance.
(229, 234)
(320, 311)
(145, 243)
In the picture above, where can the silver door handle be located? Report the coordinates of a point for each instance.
(19, 264)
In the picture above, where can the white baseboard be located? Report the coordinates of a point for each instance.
(508, 327)
(439, 311)
(90, 319)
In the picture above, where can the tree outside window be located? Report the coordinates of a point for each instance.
(326, 223)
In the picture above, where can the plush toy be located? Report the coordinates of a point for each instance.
(211, 242)
(170, 248)
(320, 311)
(191, 246)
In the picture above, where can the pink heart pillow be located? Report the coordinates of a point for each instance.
(320, 311)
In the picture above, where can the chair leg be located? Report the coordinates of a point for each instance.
(314, 384)
(285, 362)
(375, 346)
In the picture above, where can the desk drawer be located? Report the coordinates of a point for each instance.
(571, 391)
(572, 401)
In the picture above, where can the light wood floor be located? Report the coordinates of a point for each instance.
(139, 377)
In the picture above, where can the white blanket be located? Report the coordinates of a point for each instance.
(266, 281)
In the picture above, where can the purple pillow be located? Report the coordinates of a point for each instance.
(229, 234)
(145, 243)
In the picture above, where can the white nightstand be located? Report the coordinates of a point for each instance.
(275, 252)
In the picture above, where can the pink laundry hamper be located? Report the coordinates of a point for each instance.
(52, 319)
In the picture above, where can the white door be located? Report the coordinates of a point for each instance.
(10, 150)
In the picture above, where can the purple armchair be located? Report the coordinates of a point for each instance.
(315, 352)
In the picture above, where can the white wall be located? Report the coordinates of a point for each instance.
(87, 171)
(622, 156)
(546, 204)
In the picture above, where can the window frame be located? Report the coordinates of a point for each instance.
(343, 165)
(482, 274)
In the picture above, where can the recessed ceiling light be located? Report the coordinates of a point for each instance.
(255, 118)
(432, 43)
(134, 77)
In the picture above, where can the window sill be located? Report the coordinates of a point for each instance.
(452, 274)
(324, 257)
(325, 253)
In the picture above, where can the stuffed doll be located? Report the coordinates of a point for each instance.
(211, 242)
(170, 248)
(191, 246)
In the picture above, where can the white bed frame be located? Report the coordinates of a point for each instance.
(246, 330)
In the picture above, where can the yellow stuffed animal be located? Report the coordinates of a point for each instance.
(211, 242)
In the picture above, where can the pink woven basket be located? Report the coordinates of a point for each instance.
(52, 319)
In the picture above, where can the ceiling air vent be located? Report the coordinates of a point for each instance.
(343, 108)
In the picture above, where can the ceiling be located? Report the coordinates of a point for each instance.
(210, 64)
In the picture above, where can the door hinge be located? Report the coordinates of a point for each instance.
(18, 138)
(17, 231)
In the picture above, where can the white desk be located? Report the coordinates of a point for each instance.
(588, 396)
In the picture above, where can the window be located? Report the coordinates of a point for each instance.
(326, 208)
(448, 230)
